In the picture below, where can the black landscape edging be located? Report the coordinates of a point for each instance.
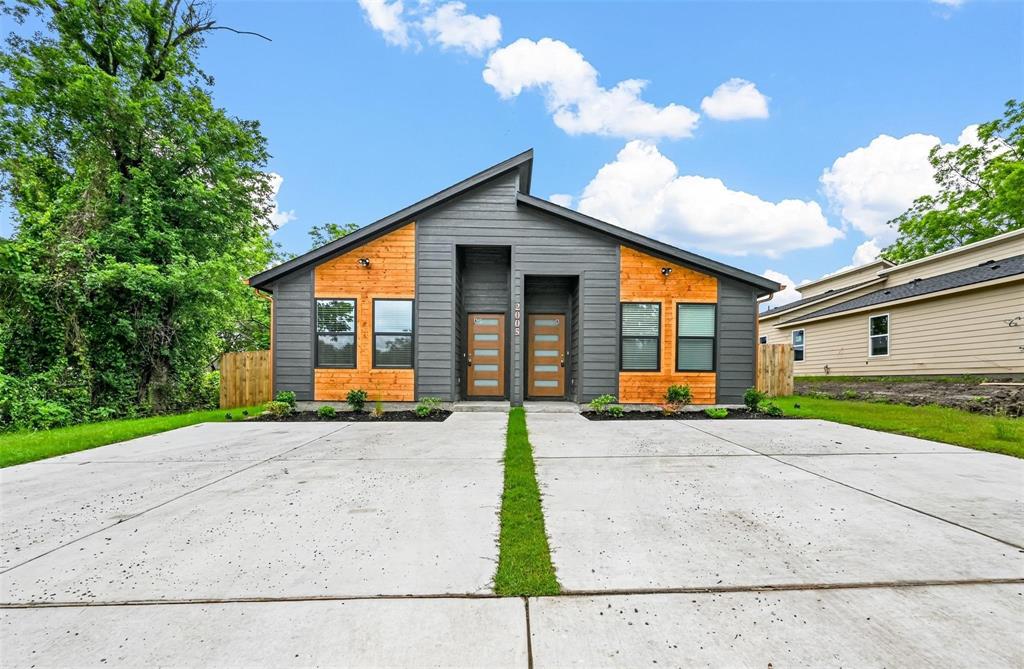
(407, 416)
(734, 414)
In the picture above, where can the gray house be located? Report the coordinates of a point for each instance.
(483, 291)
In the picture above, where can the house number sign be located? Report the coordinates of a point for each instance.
(516, 316)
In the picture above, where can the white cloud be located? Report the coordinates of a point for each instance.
(276, 218)
(388, 19)
(873, 184)
(866, 252)
(451, 27)
(578, 104)
(642, 190)
(734, 100)
(949, 3)
(561, 199)
(788, 294)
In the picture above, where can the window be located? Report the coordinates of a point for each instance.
(336, 333)
(695, 338)
(878, 335)
(798, 345)
(762, 340)
(392, 333)
(640, 337)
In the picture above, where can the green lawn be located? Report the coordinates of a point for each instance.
(524, 561)
(952, 426)
(20, 447)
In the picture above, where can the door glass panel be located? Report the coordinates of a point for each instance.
(485, 383)
(485, 352)
(485, 321)
(545, 337)
(546, 322)
(486, 368)
(545, 368)
(545, 353)
(485, 337)
(545, 383)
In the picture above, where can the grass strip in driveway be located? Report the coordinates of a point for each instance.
(524, 559)
(20, 447)
(951, 426)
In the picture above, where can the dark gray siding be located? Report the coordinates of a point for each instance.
(293, 334)
(737, 339)
(540, 244)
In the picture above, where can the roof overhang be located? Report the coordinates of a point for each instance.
(815, 299)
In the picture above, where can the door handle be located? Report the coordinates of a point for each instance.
(561, 363)
(469, 361)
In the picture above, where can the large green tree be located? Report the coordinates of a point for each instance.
(981, 192)
(139, 205)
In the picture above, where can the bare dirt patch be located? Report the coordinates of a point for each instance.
(966, 394)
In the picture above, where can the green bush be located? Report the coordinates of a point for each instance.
(678, 395)
(42, 401)
(326, 412)
(753, 398)
(601, 403)
(769, 408)
(614, 410)
(356, 399)
(286, 396)
(716, 412)
(427, 406)
(277, 408)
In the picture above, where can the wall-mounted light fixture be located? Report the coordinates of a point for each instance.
(665, 271)
(364, 262)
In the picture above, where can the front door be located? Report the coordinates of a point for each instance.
(485, 356)
(546, 364)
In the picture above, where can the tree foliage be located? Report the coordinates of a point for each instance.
(981, 192)
(139, 207)
(328, 232)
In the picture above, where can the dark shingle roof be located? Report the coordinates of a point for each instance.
(816, 298)
(987, 271)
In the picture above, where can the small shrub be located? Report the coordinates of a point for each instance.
(427, 406)
(286, 396)
(716, 412)
(228, 416)
(678, 396)
(326, 412)
(378, 408)
(601, 403)
(850, 395)
(245, 412)
(753, 398)
(614, 410)
(769, 408)
(276, 408)
(356, 399)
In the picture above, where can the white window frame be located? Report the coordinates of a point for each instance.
(803, 346)
(887, 335)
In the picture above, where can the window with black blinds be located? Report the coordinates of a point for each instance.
(640, 337)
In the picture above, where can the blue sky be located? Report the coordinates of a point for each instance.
(363, 119)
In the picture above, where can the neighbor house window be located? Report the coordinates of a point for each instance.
(762, 340)
(336, 333)
(798, 345)
(695, 338)
(392, 333)
(641, 337)
(878, 335)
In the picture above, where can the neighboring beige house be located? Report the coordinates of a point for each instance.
(956, 312)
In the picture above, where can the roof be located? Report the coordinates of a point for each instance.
(989, 270)
(818, 297)
(998, 239)
(885, 264)
(524, 164)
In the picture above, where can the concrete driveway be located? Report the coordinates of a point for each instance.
(800, 543)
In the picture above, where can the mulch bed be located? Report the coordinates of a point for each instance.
(354, 417)
(734, 414)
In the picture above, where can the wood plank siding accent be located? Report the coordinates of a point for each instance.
(391, 274)
(641, 280)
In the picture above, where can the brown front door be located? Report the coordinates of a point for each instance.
(485, 356)
(546, 365)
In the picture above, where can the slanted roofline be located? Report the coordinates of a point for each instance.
(989, 241)
(524, 164)
(881, 263)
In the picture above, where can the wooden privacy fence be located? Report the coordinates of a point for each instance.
(775, 369)
(244, 379)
